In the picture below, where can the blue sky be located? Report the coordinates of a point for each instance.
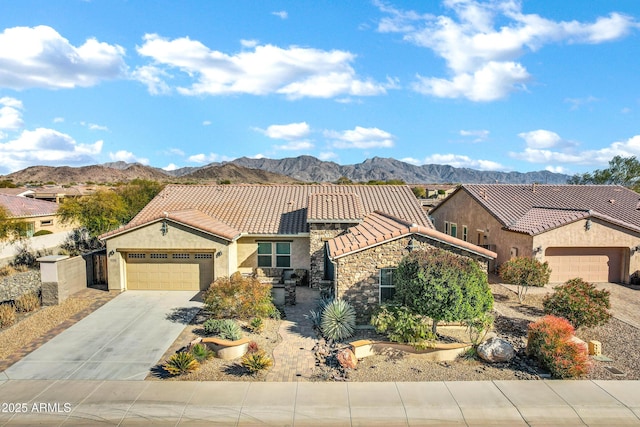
(492, 85)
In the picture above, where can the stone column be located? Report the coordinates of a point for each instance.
(61, 277)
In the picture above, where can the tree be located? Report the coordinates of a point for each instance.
(137, 194)
(343, 180)
(419, 192)
(10, 228)
(442, 286)
(99, 212)
(524, 272)
(623, 171)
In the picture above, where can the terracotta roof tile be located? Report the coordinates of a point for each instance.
(335, 207)
(533, 209)
(21, 207)
(379, 227)
(279, 209)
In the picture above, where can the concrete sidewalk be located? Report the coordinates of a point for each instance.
(169, 403)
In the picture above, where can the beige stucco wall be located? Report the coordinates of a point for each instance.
(247, 251)
(600, 234)
(357, 274)
(178, 237)
(55, 226)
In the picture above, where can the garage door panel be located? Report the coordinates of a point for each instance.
(166, 271)
(590, 264)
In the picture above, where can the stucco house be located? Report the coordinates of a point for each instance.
(38, 215)
(189, 235)
(587, 231)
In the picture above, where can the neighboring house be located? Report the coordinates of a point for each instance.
(188, 235)
(587, 231)
(37, 214)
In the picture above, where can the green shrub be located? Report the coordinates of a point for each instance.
(338, 320)
(7, 315)
(256, 325)
(479, 327)
(226, 329)
(442, 286)
(524, 272)
(550, 343)
(256, 361)
(181, 363)
(41, 233)
(239, 297)
(201, 352)
(401, 325)
(27, 302)
(580, 303)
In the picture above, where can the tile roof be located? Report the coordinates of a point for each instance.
(379, 227)
(19, 191)
(334, 207)
(278, 209)
(22, 207)
(534, 209)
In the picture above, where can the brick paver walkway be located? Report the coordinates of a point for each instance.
(293, 359)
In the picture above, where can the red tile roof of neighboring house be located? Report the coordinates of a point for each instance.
(19, 191)
(277, 209)
(334, 207)
(533, 209)
(379, 227)
(23, 207)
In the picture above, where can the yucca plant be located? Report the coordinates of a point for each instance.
(338, 320)
(181, 363)
(201, 352)
(256, 361)
(27, 302)
(7, 315)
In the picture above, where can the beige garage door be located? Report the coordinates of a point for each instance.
(180, 271)
(591, 264)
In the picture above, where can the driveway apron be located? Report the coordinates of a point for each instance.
(121, 340)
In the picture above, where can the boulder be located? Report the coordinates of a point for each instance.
(496, 350)
(347, 358)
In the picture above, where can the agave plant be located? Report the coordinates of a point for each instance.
(201, 352)
(181, 363)
(226, 329)
(256, 361)
(338, 320)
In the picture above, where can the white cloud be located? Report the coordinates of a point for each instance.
(576, 103)
(282, 14)
(207, 158)
(295, 146)
(10, 114)
(127, 156)
(249, 43)
(46, 147)
(411, 160)
(327, 155)
(289, 132)
(206, 123)
(478, 135)
(40, 57)
(296, 72)
(461, 161)
(58, 120)
(153, 77)
(361, 138)
(481, 41)
(170, 167)
(556, 169)
(93, 126)
(540, 138)
(257, 156)
(174, 152)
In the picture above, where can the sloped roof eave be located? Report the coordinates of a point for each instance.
(125, 229)
(597, 215)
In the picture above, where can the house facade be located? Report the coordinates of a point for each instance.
(38, 215)
(592, 232)
(188, 236)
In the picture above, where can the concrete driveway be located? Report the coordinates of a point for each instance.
(121, 340)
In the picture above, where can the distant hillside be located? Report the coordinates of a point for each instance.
(287, 170)
(311, 169)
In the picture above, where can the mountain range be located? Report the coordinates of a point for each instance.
(287, 170)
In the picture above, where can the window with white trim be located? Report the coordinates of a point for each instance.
(274, 254)
(454, 229)
(387, 287)
(465, 233)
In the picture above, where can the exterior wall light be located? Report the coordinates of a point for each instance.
(164, 229)
(412, 245)
(587, 225)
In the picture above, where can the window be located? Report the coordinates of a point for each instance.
(159, 256)
(387, 288)
(46, 222)
(446, 227)
(465, 233)
(136, 256)
(454, 229)
(180, 256)
(203, 256)
(281, 250)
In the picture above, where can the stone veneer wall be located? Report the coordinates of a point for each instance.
(357, 275)
(318, 234)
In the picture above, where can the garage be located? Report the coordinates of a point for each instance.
(595, 265)
(179, 271)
